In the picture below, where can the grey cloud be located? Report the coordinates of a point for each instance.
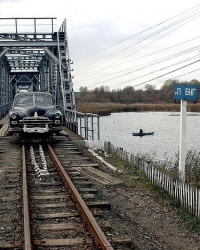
(14, 1)
(94, 37)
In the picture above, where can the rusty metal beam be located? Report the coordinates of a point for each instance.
(27, 233)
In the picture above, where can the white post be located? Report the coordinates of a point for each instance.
(182, 150)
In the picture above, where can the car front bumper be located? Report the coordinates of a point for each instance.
(36, 130)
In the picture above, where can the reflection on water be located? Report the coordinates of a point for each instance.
(118, 127)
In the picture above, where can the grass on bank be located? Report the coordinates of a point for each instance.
(133, 178)
(108, 108)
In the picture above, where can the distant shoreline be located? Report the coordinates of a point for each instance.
(108, 108)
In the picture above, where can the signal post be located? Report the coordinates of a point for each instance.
(183, 93)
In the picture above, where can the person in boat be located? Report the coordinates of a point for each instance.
(141, 131)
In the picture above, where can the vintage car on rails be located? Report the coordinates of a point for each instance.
(33, 113)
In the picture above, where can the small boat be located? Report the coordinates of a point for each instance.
(143, 133)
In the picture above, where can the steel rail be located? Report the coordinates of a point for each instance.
(95, 230)
(27, 233)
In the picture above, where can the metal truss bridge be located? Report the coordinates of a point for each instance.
(35, 57)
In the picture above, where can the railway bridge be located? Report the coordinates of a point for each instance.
(34, 56)
(51, 192)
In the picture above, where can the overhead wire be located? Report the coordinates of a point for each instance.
(155, 71)
(157, 76)
(146, 65)
(152, 53)
(116, 43)
(138, 49)
(182, 21)
(177, 76)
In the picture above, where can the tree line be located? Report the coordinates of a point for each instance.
(130, 95)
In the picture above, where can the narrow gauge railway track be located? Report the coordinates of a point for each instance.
(55, 215)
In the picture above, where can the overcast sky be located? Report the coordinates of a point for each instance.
(119, 43)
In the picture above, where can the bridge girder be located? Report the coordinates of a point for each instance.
(37, 59)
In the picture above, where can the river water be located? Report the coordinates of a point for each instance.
(118, 127)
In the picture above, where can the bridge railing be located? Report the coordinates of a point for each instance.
(31, 26)
(84, 124)
(4, 109)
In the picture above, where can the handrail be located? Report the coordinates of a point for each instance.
(84, 124)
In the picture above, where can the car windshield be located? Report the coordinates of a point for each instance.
(43, 100)
(38, 100)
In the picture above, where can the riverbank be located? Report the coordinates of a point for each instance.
(108, 108)
(145, 212)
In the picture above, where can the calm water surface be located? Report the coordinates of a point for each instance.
(118, 127)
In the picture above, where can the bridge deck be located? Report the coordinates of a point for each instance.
(72, 135)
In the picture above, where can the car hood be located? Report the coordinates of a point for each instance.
(30, 110)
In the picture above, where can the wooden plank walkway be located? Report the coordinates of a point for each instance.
(3, 120)
(72, 136)
(3, 125)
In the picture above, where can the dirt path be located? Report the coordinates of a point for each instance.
(150, 223)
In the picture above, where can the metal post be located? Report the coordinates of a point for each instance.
(73, 122)
(52, 25)
(80, 121)
(182, 150)
(98, 128)
(87, 128)
(92, 127)
(35, 26)
(16, 26)
(66, 117)
(70, 121)
(76, 118)
(86, 125)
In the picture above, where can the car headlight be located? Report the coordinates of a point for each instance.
(13, 116)
(57, 115)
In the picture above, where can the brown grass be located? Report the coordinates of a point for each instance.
(108, 108)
